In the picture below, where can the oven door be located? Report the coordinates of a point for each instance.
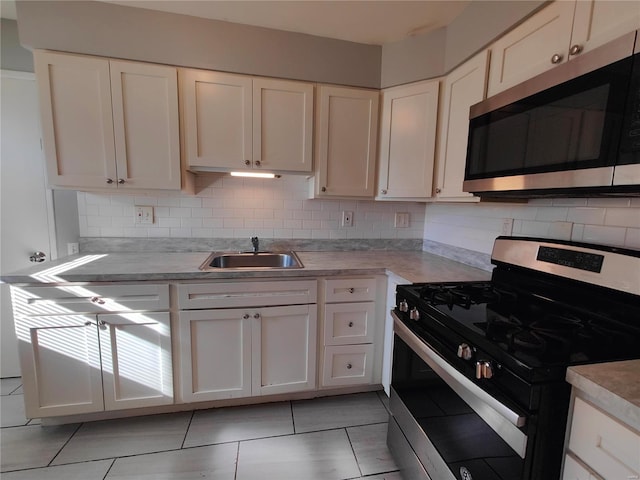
(455, 428)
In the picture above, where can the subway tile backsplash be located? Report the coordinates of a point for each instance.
(227, 207)
(607, 221)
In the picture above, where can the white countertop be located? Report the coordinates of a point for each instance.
(412, 266)
(614, 387)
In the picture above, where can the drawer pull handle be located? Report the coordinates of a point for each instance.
(97, 300)
(351, 290)
(256, 315)
(349, 366)
(350, 324)
(245, 316)
(87, 323)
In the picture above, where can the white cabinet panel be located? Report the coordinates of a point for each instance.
(610, 448)
(346, 137)
(574, 470)
(77, 123)
(217, 116)
(407, 141)
(215, 358)
(282, 125)
(349, 323)
(145, 116)
(136, 360)
(350, 290)
(347, 365)
(284, 349)
(463, 87)
(60, 360)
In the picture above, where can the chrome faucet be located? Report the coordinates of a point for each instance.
(256, 244)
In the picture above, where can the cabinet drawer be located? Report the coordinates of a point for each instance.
(31, 301)
(246, 294)
(348, 323)
(347, 365)
(610, 448)
(574, 470)
(350, 290)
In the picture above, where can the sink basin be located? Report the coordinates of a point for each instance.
(252, 260)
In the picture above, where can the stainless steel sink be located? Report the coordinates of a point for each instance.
(250, 260)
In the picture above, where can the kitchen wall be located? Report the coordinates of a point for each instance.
(607, 221)
(231, 207)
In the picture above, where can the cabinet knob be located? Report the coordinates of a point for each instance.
(350, 324)
(556, 58)
(256, 315)
(245, 316)
(87, 323)
(384, 192)
(257, 163)
(38, 257)
(97, 300)
(109, 181)
(349, 366)
(324, 189)
(121, 181)
(575, 49)
(438, 190)
(351, 290)
(247, 162)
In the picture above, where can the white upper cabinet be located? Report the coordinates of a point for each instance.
(217, 112)
(108, 124)
(282, 125)
(236, 122)
(345, 144)
(463, 87)
(407, 141)
(554, 35)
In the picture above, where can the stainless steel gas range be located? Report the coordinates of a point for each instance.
(478, 389)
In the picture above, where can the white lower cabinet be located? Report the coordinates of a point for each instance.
(349, 319)
(600, 446)
(247, 350)
(81, 363)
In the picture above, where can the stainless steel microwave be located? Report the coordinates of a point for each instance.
(574, 130)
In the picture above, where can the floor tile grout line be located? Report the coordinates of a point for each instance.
(346, 431)
(109, 469)
(28, 469)
(235, 473)
(293, 417)
(186, 432)
(65, 443)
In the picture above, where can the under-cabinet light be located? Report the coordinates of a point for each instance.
(253, 174)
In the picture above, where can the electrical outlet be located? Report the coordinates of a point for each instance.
(507, 226)
(72, 248)
(347, 219)
(402, 220)
(144, 215)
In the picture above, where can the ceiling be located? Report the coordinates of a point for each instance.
(364, 21)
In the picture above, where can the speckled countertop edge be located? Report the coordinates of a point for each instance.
(614, 387)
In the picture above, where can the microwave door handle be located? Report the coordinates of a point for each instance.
(448, 372)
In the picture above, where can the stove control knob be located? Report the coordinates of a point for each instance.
(484, 369)
(464, 351)
(414, 314)
(403, 306)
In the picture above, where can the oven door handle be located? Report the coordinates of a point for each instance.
(450, 375)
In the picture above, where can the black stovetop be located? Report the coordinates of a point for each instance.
(536, 328)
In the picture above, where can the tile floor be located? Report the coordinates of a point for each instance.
(332, 438)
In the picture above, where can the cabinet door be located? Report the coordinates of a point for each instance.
(216, 115)
(528, 49)
(145, 118)
(282, 125)
(407, 141)
(284, 349)
(60, 360)
(215, 354)
(597, 22)
(136, 360)
(77, 123)
(346, 134)
(463, 87)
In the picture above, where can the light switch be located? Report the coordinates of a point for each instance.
(402, 220)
